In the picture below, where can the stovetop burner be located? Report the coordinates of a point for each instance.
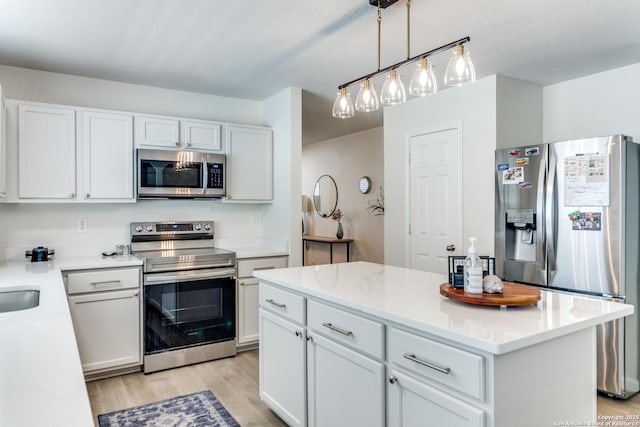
(176, 246)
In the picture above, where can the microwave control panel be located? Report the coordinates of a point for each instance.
(216, 175)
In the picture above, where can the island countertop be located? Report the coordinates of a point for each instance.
(411, 298)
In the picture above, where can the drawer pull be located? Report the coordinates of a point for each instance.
(271, 267)
(298, 333)
(277, 304)
(106, 282)
(413, 358)
(339, 330)
(393, 379)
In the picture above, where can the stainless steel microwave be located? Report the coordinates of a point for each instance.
(180, 174)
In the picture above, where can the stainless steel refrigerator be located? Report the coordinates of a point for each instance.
(567, 219)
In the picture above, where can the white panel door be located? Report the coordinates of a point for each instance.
(413, 403)
(247, 310)
(249, 164)
(107, 327)
(108, 155)
(282, 368)
(436, 211)
(346, 388)
(201, 135)
(157, 132)
(47, 152)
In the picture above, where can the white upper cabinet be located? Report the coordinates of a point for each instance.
(107, 148)
(157, 132)
(63, 159)
(172, 133)
(201, 135)
(249, 164)
(3, 148)
(47, 152)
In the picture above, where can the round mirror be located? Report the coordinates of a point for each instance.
(325, 196)
(364, 184)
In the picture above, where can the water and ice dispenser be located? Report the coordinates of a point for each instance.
(520, 236)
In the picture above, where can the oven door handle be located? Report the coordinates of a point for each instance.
(158, 279)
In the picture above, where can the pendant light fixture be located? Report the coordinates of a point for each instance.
(460, 71)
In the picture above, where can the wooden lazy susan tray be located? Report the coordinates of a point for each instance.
(513, 294)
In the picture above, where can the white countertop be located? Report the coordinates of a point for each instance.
(412, 298)
(41, 379)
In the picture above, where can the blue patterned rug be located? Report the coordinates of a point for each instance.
(192, 410)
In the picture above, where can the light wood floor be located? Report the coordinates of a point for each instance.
(234, 381)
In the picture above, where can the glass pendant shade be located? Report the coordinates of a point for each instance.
(423, 81)
(460, 70)
(367, 99)
(343, 106)
(393, 90)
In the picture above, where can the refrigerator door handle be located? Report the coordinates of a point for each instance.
(540, 221)
(549, 215)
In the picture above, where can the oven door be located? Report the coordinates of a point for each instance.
(188, 308)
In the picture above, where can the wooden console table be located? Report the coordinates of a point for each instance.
(322, 239)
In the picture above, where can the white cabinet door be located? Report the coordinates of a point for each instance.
(3, 148)
(107, 327)
(107, 140)
(249, 164)
(247, 310)
(201, 135)
(158, 132)
(345, 388)
(282, 368)
(47, 152)
(413, 403)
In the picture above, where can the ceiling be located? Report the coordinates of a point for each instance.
(253, 49)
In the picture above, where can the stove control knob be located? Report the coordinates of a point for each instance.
(149, 228)
(207, 227)
(197, 227)
(139, 228)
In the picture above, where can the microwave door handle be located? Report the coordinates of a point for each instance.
(204, 175)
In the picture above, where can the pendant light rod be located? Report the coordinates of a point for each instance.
(407, 61)
(408, 29)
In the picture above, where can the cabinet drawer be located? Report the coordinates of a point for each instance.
(286, 304)
(247, 266)
(350, 329)
(102, 280)
(449, 366)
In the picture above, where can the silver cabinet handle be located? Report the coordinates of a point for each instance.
(413, 358)
(241, 283)
(339, 330)
(451, 247)
(72, 195)
(136, 294)
(87, 195)
(264, 268)
(177, 144)
(3, 192)
(189, 144)
(309, 338)
(277, 304)
(298, 333)
(106, 282)
(393, 379)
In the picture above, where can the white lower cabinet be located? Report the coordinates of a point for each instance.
(105, 311)
(247, 312)
(413, 403)
(282, 367)
(345, 388)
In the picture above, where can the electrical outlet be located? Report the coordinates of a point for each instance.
(82, 225)
(253, 221)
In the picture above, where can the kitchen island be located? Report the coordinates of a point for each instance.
(368, 344)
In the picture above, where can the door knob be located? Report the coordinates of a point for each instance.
(451, 248)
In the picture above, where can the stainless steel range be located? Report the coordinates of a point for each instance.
(189, 293)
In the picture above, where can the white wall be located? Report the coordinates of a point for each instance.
(53, 225)
(346, 159)
(606, 103)
(496, 111)
(283, 112)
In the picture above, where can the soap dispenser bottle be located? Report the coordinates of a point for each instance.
(473, 270)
